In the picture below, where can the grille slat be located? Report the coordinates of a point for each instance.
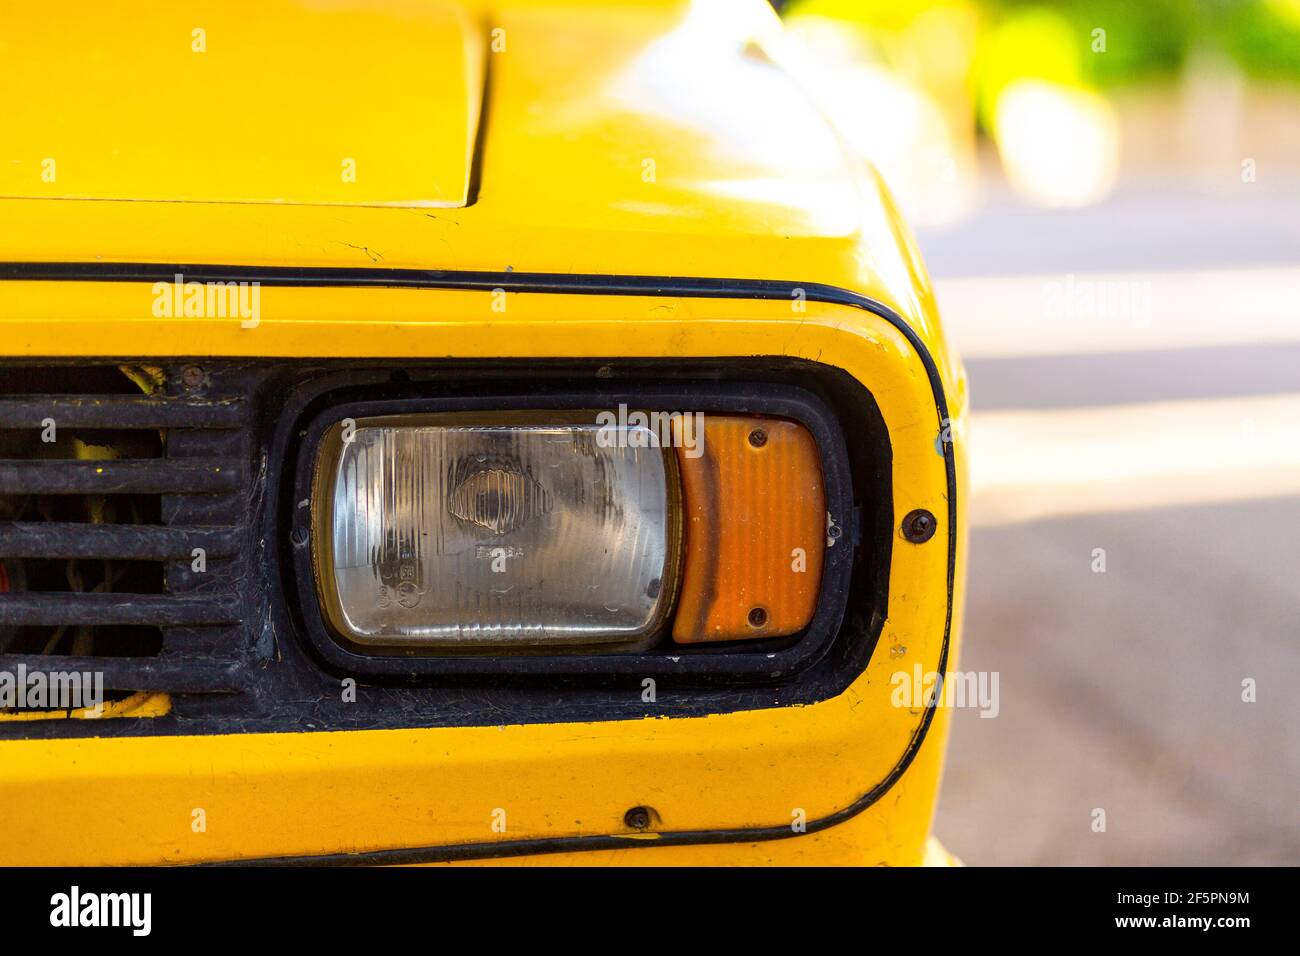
(101, 411)
(61, 477)
(100, 517)
(29, 609)
(34, 539)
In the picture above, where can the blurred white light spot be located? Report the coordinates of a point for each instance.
(902, 130)
(1059, 145)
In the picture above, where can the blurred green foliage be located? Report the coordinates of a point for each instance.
(1057, 39)
(1264, 36)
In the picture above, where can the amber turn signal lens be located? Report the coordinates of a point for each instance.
(754, 511)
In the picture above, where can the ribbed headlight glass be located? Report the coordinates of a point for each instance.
(434, 532)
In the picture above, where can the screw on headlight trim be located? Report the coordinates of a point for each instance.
(638, 818)
(919, 526)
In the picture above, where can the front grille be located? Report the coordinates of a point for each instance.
(110, 478)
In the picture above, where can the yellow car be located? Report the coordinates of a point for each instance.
(460, 432)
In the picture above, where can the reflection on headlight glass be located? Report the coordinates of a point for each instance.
(530, 535)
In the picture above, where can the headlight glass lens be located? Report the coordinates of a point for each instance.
(429, 532)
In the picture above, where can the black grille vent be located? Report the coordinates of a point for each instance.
(99, 526)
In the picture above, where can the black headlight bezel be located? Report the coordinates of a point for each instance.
(737, 663)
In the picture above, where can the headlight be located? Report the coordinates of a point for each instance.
(519, 530)
(442, 533)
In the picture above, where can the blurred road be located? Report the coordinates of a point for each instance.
(1135, 371)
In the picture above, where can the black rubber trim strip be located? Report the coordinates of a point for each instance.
(540, 282)
(745, 665)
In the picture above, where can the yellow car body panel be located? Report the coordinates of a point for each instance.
(578, 100)
(196, 102)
